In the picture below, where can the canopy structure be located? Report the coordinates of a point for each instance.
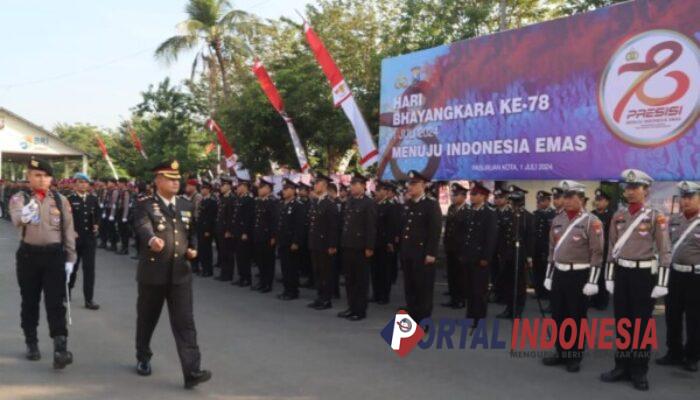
(21, 139)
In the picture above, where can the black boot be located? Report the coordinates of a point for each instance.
(33, 353)
(61, 355)
(669, 359)
(197, 377)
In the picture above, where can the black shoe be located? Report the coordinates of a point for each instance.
(506, 314)
(244, 282)
(614, 375)
(345, 314)
(61, 356)
(134, 257)
(306, 285)
(257, 286)
(373, 300)
(195, 378)
(357, 317)
(690, 366)
(222, 279)
(449, 304)
(33, 353)
(265, 289)
(324, 306)
(668, 360)
(123, 251)
(640, 383)
(102, 246)
(113, 248)
(573, 366)
(207, 274)
(447, 293)
(553, 360)
(314, 304)
(287, 296)
(382, 302)
(91, 306)
(143, 368)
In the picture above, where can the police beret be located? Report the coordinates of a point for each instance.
(415, 176)
(40, 165)
(81, 176)
(169, 169)
(302, 185)
(636, 177)
(192, 181)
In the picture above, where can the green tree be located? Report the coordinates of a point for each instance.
(570, 7)
(84, 137)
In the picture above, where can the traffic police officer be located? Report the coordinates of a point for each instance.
(684, 283)
(44, 260)
(290, 235)
(265, 235)
(206, 228)
(453, 240)
(637, 273)
(544, 214)
(86, 222)
(164, 226)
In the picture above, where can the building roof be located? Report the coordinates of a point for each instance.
(55, 148)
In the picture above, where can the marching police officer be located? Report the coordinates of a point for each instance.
(684, 283)
(388, 231)
(358, 240)
(420, 237)
(86, 222)
(453, 240)
(123, 208)
(224, 229)
(638, 262)
(112, 214)
(290, 236)
(206, 229)
(164, 226)
(243, 224)
(265, 235)
(192, 195)
(323, 241)
(544, 214)
(44, 260)
(575, 262)
(604, 213)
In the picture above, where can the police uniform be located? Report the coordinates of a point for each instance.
(638, 263)
(112, 215)
(290, 236)
(122, 216)
(206, 218)
(85, 220)
(265, 237)
(45, 255)
(305, 269)
(683, 298)
(575, 258)
(385, 251)
(420, 237)
(167, 276)
(358, 239)
(504, 222)
(543, 222)
(600, 300)
(243, 225)
(453, 240)
(224, 232)
(195, 198)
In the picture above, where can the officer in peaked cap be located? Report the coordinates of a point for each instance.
(206, 228)
(504, 229)
(243, 222)
(265, 234)
(453, 240)
(289, 238)
(604, 212)
(224, 229)
(558, 199)
(388, 230)
(543, 215)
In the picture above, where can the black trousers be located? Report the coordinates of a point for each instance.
(683, 300)
(381, 273)
(42, 268)
(508, 281)
(149, 306)
(323, 274)
(124, 233)
(289, 262)
(227, 257)
(632, 300)
(456, 278)
(568, 301)
(601, 300)
(265, 259)
(85, 247)
(477, 284)
(419, 279)
(305, 266)
(539, 270)
(205, 253)
(104, 231)
(356, 269)
(244, 257)
(337, 271)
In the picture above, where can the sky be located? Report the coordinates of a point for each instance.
(88, 61)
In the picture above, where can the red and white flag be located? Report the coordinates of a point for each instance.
(229, 156)
(273, 95)
(106, 156)
(137, 143)
(342, 97)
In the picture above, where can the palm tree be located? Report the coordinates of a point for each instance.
(215, 27)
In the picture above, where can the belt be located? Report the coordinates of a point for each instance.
(571, 266)
(645, 264)
(686, 268)
(46, 249)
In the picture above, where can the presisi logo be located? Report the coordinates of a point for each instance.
(402, 333)
(649, 94)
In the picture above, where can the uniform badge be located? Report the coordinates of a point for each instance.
(54, 211)
(161, 227)
(662, 221)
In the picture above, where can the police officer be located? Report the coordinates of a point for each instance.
(122, 215)
(44, 260)
(323, 241)
(684, 283)
(86, 222)
(164, 226)
(420, 237)
(265, 235)
(112, 214)
(604, 213)
(575, 262)
(224, 229)
(206, 219)
(557, 200)
(544, 214)
(243, 224)
(357, 240)
(505, 231)
(290, 236)
(637, 273)
(192, 195)
(453, 240)
(305, 269)
(388, 231)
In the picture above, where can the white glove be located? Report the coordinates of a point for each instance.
(590, 289)
(548, 284)
(123, 220)
(69, 269)
(610, 286)
(29, 211)
(111, 218)
(659, 291)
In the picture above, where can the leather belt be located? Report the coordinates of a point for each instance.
(646, 264)
(686, 268)
(571, 266)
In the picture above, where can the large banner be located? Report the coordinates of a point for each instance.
(581, 98)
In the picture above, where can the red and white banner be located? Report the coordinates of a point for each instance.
(137, 143)
(230, 157)
(342, 96)
(106, 156)
(273, 95)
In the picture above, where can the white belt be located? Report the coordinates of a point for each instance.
(570, 266)
(687, 268)
(637, 264)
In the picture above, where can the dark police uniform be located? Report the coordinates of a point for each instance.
(264, 238)
(323, 235)
(206, 230)
(385, 251)
(290, 234)
(224, 232)
(453, 240)
(504, 221)
(305, 269)
(243, 224)
(600, 300)
(543, 222)
(85, 218)
(123, 217)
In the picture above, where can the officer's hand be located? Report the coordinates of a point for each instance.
(227, 235)
(369, 253)
(590, 289)
(610, 286)
(244, 237)
(332, 250)
(658, 292)
(123, 220)
(294, 247)
(111, 218)
(156, 244)
(69, 269)
(390, 248)
(95, 228)
(429, 260)
(206, 234)
(483, 263)
(272, 242)
(528, 264)
(191, 254)
(548, 284)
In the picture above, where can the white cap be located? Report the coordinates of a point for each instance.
(635, 176)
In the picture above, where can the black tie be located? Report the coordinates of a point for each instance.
(171, 207)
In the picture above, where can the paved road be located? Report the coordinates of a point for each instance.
(261, 348)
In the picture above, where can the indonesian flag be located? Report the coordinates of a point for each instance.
(106, 156)
(273, 95)
(342, 96)
(228, 150)
(137, 143)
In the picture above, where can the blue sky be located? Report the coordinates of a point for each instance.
(88, 60)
